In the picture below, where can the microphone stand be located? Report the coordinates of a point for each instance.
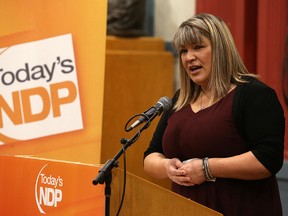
(105, 173)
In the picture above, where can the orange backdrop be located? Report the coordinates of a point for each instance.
(85, 20)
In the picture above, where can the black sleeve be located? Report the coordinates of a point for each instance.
(156, 142)
(261, 122)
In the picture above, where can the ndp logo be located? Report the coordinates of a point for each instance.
(39, 90)
(48, 190)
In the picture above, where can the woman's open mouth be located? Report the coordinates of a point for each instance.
(195, 68)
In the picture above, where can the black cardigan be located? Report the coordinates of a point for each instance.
(259, 117)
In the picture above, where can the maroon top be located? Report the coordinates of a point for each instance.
(212, 133)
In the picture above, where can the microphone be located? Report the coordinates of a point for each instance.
(163, 104)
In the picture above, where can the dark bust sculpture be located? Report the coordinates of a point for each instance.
(126, 18)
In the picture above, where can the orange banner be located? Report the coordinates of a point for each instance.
(52, 59)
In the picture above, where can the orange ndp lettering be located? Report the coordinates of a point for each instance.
(57, 101)
(26, 103)
(17, 114)
(14, 115)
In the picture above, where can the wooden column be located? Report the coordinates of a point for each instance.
(138, 73)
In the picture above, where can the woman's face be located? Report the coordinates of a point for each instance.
(196, 60)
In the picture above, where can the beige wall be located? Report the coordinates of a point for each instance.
(169, 14)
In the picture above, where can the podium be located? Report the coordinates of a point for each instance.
(144, 198)
(35, 186)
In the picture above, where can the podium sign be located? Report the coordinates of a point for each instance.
(33, 186)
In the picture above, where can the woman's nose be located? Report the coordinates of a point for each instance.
(190, 56)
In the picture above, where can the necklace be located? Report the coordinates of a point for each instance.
(201, 106)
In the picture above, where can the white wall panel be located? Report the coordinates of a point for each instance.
(169, 14)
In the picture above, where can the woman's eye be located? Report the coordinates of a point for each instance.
(183, 51)
(198, 46)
